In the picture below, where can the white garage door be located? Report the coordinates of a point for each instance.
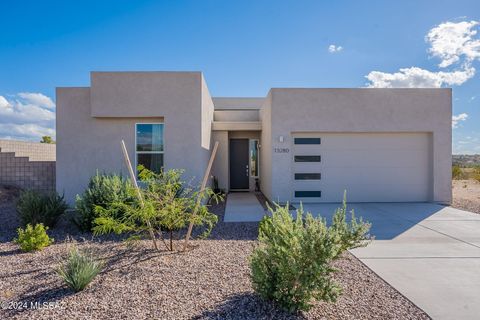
(372, 167)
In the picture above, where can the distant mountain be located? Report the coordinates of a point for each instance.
(466, 160)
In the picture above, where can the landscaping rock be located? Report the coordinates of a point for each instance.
(211, 281)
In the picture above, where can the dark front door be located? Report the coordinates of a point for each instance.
(239, 164)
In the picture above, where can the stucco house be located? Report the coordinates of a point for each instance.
(295, 144)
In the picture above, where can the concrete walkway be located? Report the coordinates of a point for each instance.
(243, 207)
(430, 253)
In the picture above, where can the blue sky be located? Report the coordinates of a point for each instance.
(243, 48)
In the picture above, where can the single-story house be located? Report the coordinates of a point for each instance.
(295, 144)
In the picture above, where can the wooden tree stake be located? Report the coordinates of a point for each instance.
(202, 188)
(139, 193)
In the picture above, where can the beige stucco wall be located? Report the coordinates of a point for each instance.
(207, 115)
(266, 147)
(119, 100)
(86, 144)
(360, 110)
(92, 121)
(237, 115)
(228, 103)
(145, 94)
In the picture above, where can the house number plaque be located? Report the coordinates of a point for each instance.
(281, 150)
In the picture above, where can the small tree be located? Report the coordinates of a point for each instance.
(47, 139)
(167, 206)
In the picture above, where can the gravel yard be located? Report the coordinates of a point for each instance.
(466, 195)
(209, 282)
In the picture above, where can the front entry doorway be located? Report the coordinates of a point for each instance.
(239, 171)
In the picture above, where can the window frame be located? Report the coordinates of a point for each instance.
(148, 152)
(250, 159)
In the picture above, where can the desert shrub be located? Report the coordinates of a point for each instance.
(102, 191)
(457, 173)
(292, 263)
(33, 238)
(34, 207)
(476, 174)
(351, 234)
(166, 207)
(79, 269)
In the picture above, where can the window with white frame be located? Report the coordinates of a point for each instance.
(149, 146)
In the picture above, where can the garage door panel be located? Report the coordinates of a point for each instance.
(309, 149)
(382, 140)
(380, 167)
(307, 167)
(359, 193)
(373, 175)
(386, 186)
(373, 158)
(307, 185)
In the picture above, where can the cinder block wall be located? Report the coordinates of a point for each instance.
(27, 165)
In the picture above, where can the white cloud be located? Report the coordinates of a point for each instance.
(37, 99)
(27, 131)
(3, 103)
(333, 48)
(27, 116)
(465, 144)
(454, 44)
(415, 77)
(457, 118)
(450, 41)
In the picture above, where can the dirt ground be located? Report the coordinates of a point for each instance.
(466, 195)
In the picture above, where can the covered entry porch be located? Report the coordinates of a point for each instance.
(237, 164)
(237, 127)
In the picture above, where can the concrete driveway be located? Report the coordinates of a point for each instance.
(430, 253)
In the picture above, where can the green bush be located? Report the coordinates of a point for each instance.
(103, 190)
(34, 207)
(33, 238)
(292, 263)
(457, 173)
(79, 269)
(476, 174)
